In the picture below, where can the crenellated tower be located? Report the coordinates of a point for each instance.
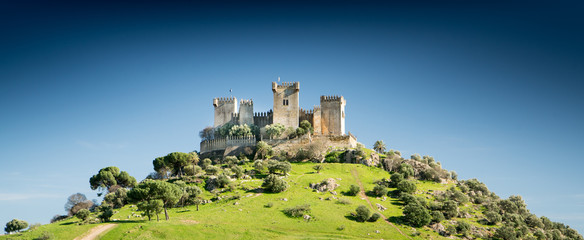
(286, 104)
(246, 112)
(332, 115)
(225, 109)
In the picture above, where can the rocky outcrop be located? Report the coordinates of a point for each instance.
(329, 184)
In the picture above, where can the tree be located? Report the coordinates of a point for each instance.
(15, 225)
(151, 208)
(177, 161)
(193, 159)
(117, 199)
(416, 215)
(262, 150)
(106, 212)
(462, 228)
(318, 168)
(275, 130)
(450, 209)
(379, 146)
(380, 190)
(305, 124)
(109, 177)
(77, 202)
(223, 180)
(82, 214)
(206, 163)
(274, 184)
(406, 186)
(212, 170)
(238, 171)
(363, 213)
(240, 131)
(148, 190)
(207, 133)
(493, 217)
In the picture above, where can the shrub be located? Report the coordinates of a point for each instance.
(374, 217)
(396, 178)
(462, 227)
(274, 184)
(297, 211)
(416, 215)
(223, 180)
(353, 190)
(82, 214)
(106, 212)
(437, 216)
(343, 201)
(380, 191)
(450, 209)
(507, 233)
(493, 217)
(212, 170)
(363, 213)
(318, 168)
(45, 236)
(333, 157)
(269, 205)
(406, 186)
(230, 160)
(274, 166)
(15, 225)
(406, 169)
(238, 171)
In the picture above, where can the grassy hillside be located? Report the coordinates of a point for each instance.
(249, 218)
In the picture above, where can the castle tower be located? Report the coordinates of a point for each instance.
(286, 101)
(316, 120)
(225, 108)
(332, 115)
(246, 112)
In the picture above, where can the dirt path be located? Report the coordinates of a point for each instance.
(364, 196)
(94, 232)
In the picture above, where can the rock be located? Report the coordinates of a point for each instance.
(377, 231)
(285, 199)
(439, 228)
(236, 203)
(306, 217)
(329, 184)
(380, 207)
(333, 192)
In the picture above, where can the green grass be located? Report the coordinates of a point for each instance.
(250, 219)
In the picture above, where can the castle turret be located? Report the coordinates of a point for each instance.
(225, 108)
(332, 115)
(286, 104)
(246, 112)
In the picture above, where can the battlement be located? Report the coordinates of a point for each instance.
(245, 102)
(316, 108)
(223, 100)
(284, 85)
(262, 114)
(332, 99)
(306, 111)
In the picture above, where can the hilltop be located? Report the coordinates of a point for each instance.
(438, 206)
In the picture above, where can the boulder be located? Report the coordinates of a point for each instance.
(329, 184)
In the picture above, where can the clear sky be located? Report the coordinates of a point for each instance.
(491, 89)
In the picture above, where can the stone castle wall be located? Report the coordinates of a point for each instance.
(222, 144)
(224, 110)
(332, 115)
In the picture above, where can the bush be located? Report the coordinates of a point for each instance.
(269, 205)
(380, 191)
(297, 211)
(363, 213)
(396, 178)
(416, 215)
(223, 180)
(507, 233)
(343, 201)
(212, 170)
(333, 157)
(406, 169)
(82, 214)
(406, 186)
(437, 216)
(106, 212)
(462, 228)
(238, 171)
(493, 217)
(353, 190)
(450, 209)
(318, 168)
(283, 167)
(45, 236)
(374, 217)
(15, 225)
(274, 184)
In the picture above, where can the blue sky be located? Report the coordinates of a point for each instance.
(492, 90)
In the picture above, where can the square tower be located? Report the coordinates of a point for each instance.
(286, 104)
(224, 110)
(332, 115)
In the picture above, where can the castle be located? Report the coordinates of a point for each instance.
(327, 119)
